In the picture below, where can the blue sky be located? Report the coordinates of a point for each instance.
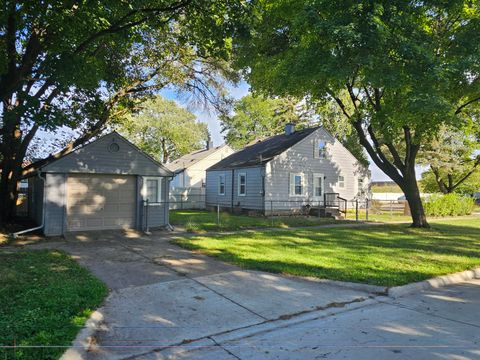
(211, 119)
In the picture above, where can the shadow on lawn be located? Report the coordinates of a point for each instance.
(386, 256)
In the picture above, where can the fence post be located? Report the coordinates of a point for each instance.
(181, 201)
(271, 211)
(366, 209)
(218, 214)
(356, 210)
(147, 230)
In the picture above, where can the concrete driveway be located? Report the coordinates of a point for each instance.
(436, 324)
(166, 297)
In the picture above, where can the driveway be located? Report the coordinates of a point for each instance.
(436, 324)
(165, 297)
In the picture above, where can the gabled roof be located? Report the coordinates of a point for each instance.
(263, 151)
(98, 156)
(190, 159)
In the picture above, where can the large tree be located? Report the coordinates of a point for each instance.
(256, 117)
(164, 130)
(453, 159)
(78, 64)
(409, 67)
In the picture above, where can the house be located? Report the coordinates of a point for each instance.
(190, 170)
(287, 171)
(102, 185)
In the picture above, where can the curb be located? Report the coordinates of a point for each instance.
(436, 282)
(84, 341)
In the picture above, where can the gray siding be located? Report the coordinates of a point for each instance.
(35, 199)
(54, 206)
(300, 159)
(253, 199)
(212, 196)
(96, 157)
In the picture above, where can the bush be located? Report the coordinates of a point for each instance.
(448, 205)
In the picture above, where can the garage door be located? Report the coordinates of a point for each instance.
(98, 202)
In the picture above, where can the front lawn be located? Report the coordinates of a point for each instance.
(202, 220)
(45, 299)
(385, 255)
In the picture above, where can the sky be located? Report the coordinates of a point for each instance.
(237, 92)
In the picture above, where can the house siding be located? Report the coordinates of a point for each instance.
(212, 196)
(54, 206)
(253, 198)
(97, 158)
(300, 159)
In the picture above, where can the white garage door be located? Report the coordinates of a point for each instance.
(98, 202)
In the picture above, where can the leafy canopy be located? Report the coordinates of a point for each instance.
(164, 130)
(256, 117)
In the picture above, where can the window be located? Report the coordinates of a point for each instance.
(152, 190)
(341, 182)
(296, 185)
(318, 185)
(360, 186)
(242, 184)
(221, 184)
(321, 150)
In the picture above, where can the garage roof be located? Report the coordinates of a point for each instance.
(109, 154)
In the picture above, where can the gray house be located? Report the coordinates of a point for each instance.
(286, 172)
(102, 185)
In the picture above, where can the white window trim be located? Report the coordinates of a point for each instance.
(224, 184)
(344, 182)
(304, 185)
(159, 192)
(322, 180)
(316, 151)
(238, 185)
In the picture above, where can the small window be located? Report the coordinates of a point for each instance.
(242, 184)
(321, 150)
(152, 190)
(360, 186)
(221, 185)
(341, 182)
(296, 185)
(318, 185)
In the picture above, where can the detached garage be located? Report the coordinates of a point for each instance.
(106, 184)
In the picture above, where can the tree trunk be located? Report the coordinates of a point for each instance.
(9, 179)
(412, 193)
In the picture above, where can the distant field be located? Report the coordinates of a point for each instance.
(386, 188)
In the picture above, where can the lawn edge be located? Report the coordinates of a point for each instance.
(433, 283)
(85, 339)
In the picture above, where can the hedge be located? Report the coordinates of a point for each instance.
(448, 205)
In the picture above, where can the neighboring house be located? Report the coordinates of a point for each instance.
(99, 186)
(190, 169)
(286, 171)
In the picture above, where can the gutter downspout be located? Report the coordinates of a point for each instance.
(233, 190)
(15, 235)
(167, 202)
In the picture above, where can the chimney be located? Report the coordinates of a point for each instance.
(209, 142)
(289, 128)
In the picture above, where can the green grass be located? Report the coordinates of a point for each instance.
(45, 299)
(386, 255)
(201, 221)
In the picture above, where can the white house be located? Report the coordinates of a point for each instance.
(287, 171)
(190, 170)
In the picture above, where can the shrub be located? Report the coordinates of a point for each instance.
(448, 205)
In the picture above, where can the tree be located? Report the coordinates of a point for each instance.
(164, 130)
(452, 158)
(81, 64)
(408, 68)
(258, 117)
(468, 187)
